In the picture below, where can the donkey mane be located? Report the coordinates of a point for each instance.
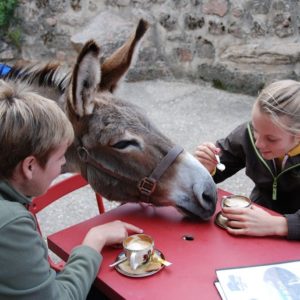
(51, 75)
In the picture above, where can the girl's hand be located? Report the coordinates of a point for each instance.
(254, 221)
(109, 234)
(205, 153)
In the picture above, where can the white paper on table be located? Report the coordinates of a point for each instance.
(220, 290)
(279, 281)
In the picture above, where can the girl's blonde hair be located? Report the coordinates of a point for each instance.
(281, 100)
(29, 125)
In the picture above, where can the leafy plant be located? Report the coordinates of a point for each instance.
(14, 36)
(218, 84)
(7, 8)
(7, 21)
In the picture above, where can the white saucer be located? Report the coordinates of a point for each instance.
(142, 271)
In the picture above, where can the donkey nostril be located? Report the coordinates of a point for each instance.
(206, 201)
(206, 197)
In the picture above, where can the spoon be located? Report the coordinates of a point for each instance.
(122, 259)
(220, 166)
(154, 258)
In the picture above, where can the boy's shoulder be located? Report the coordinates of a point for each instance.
(10, 211)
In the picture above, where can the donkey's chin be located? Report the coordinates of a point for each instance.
(204, 215)
(187, 213)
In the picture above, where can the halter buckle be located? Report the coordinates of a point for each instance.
(147, 186)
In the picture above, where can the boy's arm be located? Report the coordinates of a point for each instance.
(25, 271)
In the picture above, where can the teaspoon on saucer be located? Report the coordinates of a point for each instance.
(122, 259)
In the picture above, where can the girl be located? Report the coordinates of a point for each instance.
(269, 148)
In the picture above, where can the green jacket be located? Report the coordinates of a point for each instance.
(25, 273)
(275, 189)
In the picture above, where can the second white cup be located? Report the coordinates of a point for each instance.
(138, 249)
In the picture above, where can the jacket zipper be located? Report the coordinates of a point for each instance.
(275, 178)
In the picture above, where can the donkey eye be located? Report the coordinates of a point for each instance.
(126, 143)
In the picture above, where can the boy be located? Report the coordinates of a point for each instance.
(34, 136)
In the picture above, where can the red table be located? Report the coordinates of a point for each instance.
(192, 274)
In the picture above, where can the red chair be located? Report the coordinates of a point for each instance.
(55, 192)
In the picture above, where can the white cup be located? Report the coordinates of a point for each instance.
(235, 201)
(138, 249)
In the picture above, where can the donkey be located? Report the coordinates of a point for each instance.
(122, 155)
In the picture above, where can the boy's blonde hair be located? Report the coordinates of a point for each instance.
(29, 125)
(281, 100)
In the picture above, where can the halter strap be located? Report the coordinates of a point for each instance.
(85, 157)
(146, 185)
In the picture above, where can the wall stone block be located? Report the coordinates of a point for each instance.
(184, 54)
(223, 77)
(235, 29)
(279, 54)
(258, 30)
(259, 6)
(205, 48)
(237, 12)
(215, 7)
(283, 25)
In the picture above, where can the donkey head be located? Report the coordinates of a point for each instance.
(117, 147)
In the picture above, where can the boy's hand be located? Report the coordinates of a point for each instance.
(109, 234)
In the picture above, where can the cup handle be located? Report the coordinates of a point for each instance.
(133, 261)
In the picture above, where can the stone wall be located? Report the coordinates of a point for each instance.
(238, 45)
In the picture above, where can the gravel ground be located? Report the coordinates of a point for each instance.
(187, 113)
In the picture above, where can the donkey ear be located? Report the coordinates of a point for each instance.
(116, 66)
(85, 79)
